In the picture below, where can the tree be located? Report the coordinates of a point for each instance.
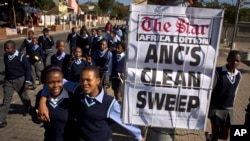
(106, 5)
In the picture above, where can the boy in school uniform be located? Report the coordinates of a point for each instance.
(17, 78)
(61, 58)
(118, 68)
(46, 42)
(94, 43)
(102, 59)
(36, 57)
(72, 39)
(83, 41)
(27, 43)
(227, 79)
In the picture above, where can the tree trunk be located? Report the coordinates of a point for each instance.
(14, 15)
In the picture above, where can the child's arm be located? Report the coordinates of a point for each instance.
(115, 115)
(34, 114)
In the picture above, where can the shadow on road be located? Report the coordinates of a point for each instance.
(16, 109)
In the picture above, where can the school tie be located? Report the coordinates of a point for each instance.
(90, 100)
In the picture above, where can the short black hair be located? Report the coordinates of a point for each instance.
(11, 43)
(59, 41)
(232, 53)
(92, 68)
(48, 69)
(77, 47)
(122, 44)
(46, 29)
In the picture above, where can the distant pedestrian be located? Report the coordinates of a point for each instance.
(108, 28)
(94, 43)
(72, 39)
(30, 23)
(83, 41)
(227, 81)
(17, 78)
(61, 58)
(46, 42)
(36, 60)
(27, 43)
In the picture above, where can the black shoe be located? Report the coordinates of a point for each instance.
(28, 111)
(3, 124)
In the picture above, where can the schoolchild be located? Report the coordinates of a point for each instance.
(95, 109)
(227, 80)
(118, 69)
(61, 58)
(27, 43)
(94, 43)
(17, 78)
(36, 57)
(46, 41)
(77, 65)
(83, 41)
(60, 106)
(102, 59)
(72, 39)
(113, 39)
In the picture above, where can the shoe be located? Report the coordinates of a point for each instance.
(3, 124)
(28, 111)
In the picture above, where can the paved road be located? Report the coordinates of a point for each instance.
(21, 128)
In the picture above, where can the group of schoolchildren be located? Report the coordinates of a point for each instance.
(80, 108)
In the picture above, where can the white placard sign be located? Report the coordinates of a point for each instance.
(171, 56)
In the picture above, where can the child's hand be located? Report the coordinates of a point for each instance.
(43, 112)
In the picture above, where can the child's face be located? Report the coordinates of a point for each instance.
(84, 33)
(78, 53)
(234, 61)
(112, 35)
(74, 30)
(9, 49)
(54, 81)
(46, 33)
(119, 49)
(93, 32)
(34, 41)
(103, 45)
(30, 34)
(60, 47)
(99, 33)
(89, 82)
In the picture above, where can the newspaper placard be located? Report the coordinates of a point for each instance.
(172, 54)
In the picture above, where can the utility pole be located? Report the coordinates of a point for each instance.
(239, 3)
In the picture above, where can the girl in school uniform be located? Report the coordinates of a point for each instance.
(60, 105)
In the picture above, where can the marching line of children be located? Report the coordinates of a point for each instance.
(37, 53)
